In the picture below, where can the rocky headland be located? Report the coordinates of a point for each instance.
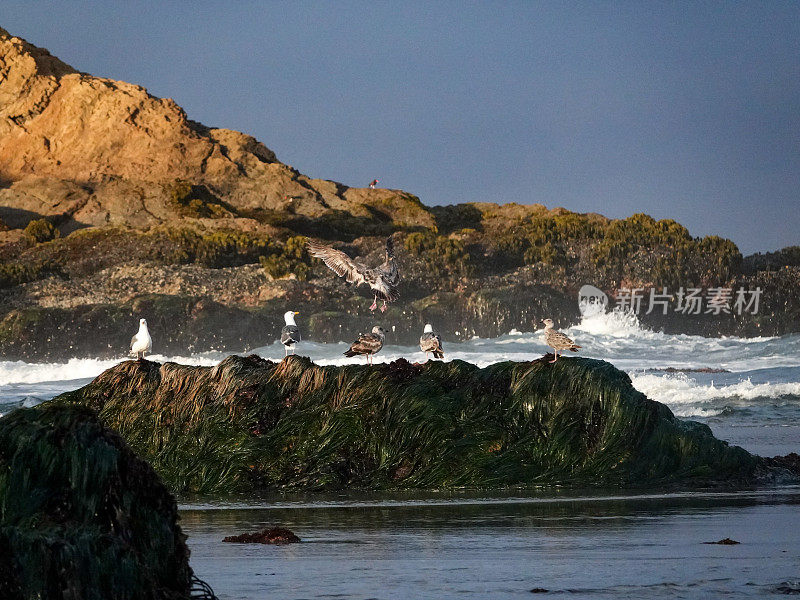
(115, 205)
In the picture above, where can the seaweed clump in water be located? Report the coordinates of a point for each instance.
(82, 517)
(276, 536)
(249, 424)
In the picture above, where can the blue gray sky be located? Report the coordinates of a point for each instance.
(686, 110)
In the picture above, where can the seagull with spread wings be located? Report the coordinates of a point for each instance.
(382, 279)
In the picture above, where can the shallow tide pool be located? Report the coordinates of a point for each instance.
(504, 546)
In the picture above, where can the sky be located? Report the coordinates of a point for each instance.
(684, 110)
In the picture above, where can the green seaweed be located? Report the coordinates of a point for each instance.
(41, 230)
(251, 424)
(197, 201)
(81, 516)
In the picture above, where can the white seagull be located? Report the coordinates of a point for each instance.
(141, 343)
(290, 334)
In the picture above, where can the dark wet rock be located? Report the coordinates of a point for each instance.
(790, 462)
(275, 535)
(250, 424)
(724, 542)
(538, 590)
(79, 511)
(789, 588)
(401, 370)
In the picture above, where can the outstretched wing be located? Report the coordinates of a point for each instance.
(338, 262)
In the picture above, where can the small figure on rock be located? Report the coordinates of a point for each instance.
(557, 340)
(367, 344)
(373, 183)
(141, 343)
(382, 279)
(290, 334)
(430, 342)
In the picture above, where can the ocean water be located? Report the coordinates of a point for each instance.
(598, 544)
(754, 402)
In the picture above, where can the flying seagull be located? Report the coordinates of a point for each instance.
(382, 279)
(367, 344)
(141, 342)
(430, 342)
(557, 340)
(290, 334)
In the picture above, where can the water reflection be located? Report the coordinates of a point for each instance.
(645, 545)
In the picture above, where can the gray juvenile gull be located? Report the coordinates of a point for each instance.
(290, 334)
(382, 279)
(367, 344)
(557, 340)
(430, 342)
(141, 343)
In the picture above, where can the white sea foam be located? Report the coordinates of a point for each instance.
(79, 368)
(760, 368)
(615, 323)
(679, 388)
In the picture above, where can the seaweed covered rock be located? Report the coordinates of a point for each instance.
(81, 516)
(248, 423)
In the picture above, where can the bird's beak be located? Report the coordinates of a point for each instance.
(297, 313)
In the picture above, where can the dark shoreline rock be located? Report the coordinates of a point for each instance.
(79, 511)
(251, 424)
(789, 462)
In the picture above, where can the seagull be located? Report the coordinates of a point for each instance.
(290, 334)
(430, 342)
(141, 342)
(557, 340)
(367, 344)
(373, 183)
(382, 279)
